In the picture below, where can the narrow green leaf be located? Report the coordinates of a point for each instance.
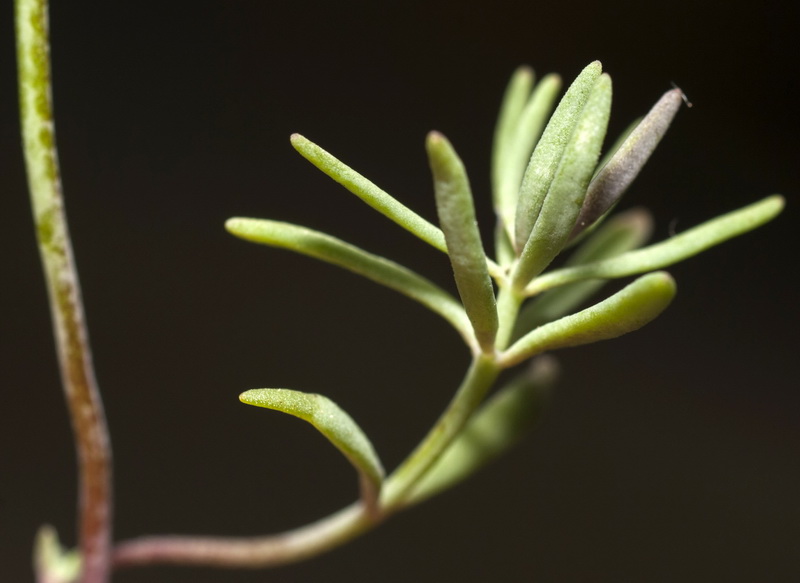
(627, 310)
(565, 196)
(457, 217)
(377, 198)
(335, 251)
(335, 424)
(496, 427)
(623, 232)
(374, 196)
(667, 252)
(624, 166)
(526, 133)
(517, 93)
(545, 159)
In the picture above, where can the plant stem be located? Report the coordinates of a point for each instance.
(481, 375)
(509, 301)
(257, 552)
(72, 343)
(334, 530)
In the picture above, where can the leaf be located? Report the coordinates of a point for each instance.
(627, 310)
(566, 193)
(335, 251)
(514, 99)
(626, 163)
(377, 198)
(625, 231)
(546, 157)
(336, 425)
(519, 128)
(457, 217)
(496, 427)
(371, 194)
(667, 252)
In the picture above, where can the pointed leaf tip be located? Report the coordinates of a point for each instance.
(616, 176)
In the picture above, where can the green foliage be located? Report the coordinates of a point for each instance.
(549, 192)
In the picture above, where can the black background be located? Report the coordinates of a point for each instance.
(671, 454)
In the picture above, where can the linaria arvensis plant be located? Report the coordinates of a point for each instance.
(552, 192)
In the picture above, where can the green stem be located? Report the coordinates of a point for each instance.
(72, 344)
(481, 375)
(509, 301)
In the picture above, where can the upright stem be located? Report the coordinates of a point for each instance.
(72, 342)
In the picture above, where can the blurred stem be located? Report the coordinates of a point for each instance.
(72, 343)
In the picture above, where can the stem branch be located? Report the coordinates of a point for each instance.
(330, 532)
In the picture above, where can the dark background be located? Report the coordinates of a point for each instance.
(670, 454)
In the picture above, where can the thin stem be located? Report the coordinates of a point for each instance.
(72, 343)
(258, 552)
(481, 375)
(334, 530)
(509, 301)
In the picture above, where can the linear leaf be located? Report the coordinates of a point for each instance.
(526, 132)
(378, 269)
(627, 310)
(367, 191)
(626, 163)
(564, 199)
(667, 252)
(456, 211)
(496, 427)
(377, 198)
(545, 159)
(335, 424)
(514, 99)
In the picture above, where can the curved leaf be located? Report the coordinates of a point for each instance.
(336, 425)
(627, 310)
(623, 232)
(335, 251)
